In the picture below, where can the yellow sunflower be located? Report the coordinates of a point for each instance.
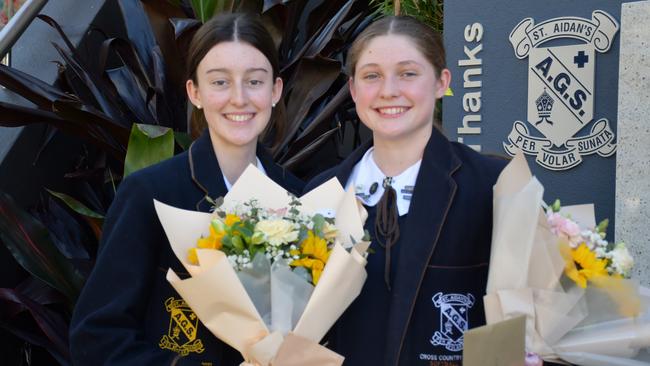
(314, 254)
(583, 265)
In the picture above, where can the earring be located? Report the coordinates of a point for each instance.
(273, 105)
(198, 106)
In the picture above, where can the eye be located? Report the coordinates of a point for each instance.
(255, 82)
(220, 83)
(409, 74)
(370, 76)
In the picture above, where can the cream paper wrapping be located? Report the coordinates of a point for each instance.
(524, 279)
(219, 299)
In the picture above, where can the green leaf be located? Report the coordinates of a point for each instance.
(319, 222)
(253, 250)
(77, 206)
(30, 244)
(237, 243)
(602, 226)
(245, 232)
(556, 206)
(226, 241)
(218, 225)
(204, 9)
(258, 238)
(148, 145)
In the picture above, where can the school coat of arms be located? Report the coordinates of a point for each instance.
(453, 319)
(183, 323)
(561, 90)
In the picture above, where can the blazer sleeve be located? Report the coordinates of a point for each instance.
(107, 325)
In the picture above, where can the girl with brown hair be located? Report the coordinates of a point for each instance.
(128, 314)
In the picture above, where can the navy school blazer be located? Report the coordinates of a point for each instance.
(444, 250)
(127, 313)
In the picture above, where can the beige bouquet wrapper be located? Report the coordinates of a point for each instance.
(526, 266)
(217, 296)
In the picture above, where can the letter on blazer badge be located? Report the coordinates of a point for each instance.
(561, 90)
(183, 323)
(453, 319)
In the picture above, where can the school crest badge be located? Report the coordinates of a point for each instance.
(183, 323)
(453, 319)
(561, 90)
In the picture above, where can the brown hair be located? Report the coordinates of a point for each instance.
(237, 27)
(427, 41)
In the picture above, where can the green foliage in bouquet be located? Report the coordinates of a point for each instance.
(302, 241)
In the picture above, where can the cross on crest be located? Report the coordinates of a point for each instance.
(581, 59)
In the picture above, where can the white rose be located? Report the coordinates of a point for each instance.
(277, 232)
(622, 261)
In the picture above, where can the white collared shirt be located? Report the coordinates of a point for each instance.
(259, 166)
(366, 177)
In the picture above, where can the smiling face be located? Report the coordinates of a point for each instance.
(235, 88)
(395, 88)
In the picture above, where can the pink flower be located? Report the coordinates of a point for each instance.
(279, 212)
(532, 359)
(563, 227)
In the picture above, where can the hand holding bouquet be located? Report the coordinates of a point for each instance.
(270, 273)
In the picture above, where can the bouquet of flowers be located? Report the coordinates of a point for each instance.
(588, 256)
(255, 235)
(555, 268)
(271, 273)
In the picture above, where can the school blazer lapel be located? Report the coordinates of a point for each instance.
(432, 198)
(205, 171)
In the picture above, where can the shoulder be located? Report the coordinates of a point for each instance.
(486, 166)
(163, 171)
(156, 179)
(163, 181)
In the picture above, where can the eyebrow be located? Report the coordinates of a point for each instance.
(401, 63)
(249, 70)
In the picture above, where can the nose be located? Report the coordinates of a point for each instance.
(238, 95)
(389, 88)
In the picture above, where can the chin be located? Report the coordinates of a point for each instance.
(389, 131)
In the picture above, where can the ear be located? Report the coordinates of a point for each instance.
(193, 92)
(442, 83)
(353, 92)
(276, 94)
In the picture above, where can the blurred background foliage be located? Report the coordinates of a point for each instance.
(129, 110)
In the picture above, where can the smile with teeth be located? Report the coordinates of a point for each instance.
(239, 117)
(391, 111)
